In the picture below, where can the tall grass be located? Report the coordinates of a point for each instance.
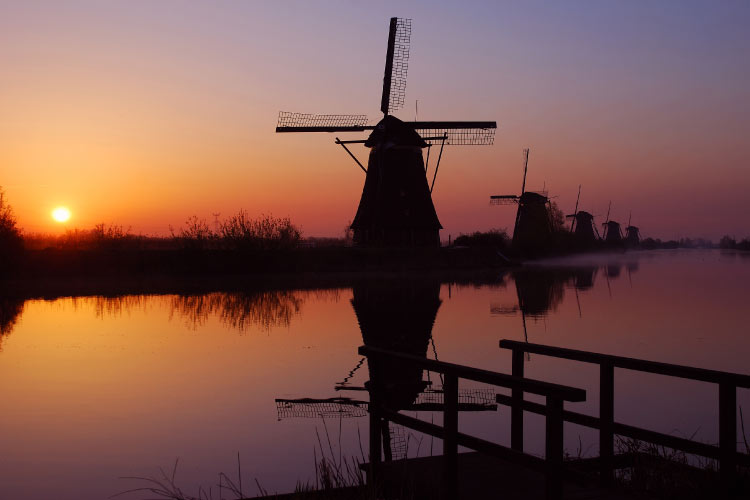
(334, 475)
(264, 233)
(239, 232)
(101, 237)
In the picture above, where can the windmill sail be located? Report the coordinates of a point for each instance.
(503, 199)
(457, 133)
(396, 207)
(396, 65)
(306, 122)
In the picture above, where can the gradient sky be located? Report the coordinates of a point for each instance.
(144, 113)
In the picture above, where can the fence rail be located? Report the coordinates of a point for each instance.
(726, 452)
(556, 395)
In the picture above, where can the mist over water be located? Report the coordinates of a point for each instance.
(95, 388)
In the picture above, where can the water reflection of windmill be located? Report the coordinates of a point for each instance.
(397, 315)
(396, 206)
(532, 229)
(498, 309)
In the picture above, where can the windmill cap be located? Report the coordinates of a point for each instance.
(531, 197)
(581, 215)
(394, 131)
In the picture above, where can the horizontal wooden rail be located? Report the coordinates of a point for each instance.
(726, 452)
(555, 394)
(641, 365)
(474, 443)
(658, 438)
(564, 392)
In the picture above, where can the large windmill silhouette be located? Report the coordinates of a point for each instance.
(396, 207)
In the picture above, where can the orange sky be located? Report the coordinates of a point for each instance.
(144, 114)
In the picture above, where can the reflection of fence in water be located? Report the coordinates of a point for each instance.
(320, 408)
(429, 400)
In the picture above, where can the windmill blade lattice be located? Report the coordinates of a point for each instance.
(396, 65)
(306, 122)
(459, 137)
(506, 199)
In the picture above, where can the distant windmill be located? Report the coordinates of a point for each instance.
(533, 227)
(582, 224)
(632, 234)
(396, 206)
(217, 224)
(612, 232)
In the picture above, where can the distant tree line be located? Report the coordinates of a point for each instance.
(729, 243)
(496, 238)
(239, 232)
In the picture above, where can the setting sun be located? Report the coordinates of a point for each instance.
(61, 214)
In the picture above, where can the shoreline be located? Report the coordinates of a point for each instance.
(49, 274)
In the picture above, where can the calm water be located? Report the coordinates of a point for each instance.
(97, 388)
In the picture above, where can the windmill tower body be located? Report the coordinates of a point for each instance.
(396, 208)
(533, 229)
(584, 227)
(612, 233)
(632, 236)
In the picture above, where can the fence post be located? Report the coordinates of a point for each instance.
(375, 436)
(607, 420)
(554, 447)
(728, 435)
(450, 437)
(516, 411)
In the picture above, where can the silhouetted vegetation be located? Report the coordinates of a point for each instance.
(556, 217)
(239, 232)
(658, 472)
(11, 243)
(495, 238)
(729, 243)
(336, 478)
(101, 237)
(656, 243)
(265, 232)
(195, 234)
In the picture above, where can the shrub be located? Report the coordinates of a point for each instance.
(11, 242)
(111, 236)
(263, 233)
(496, 238)
(195, 235)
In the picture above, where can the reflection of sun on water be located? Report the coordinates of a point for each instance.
(61, 214)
